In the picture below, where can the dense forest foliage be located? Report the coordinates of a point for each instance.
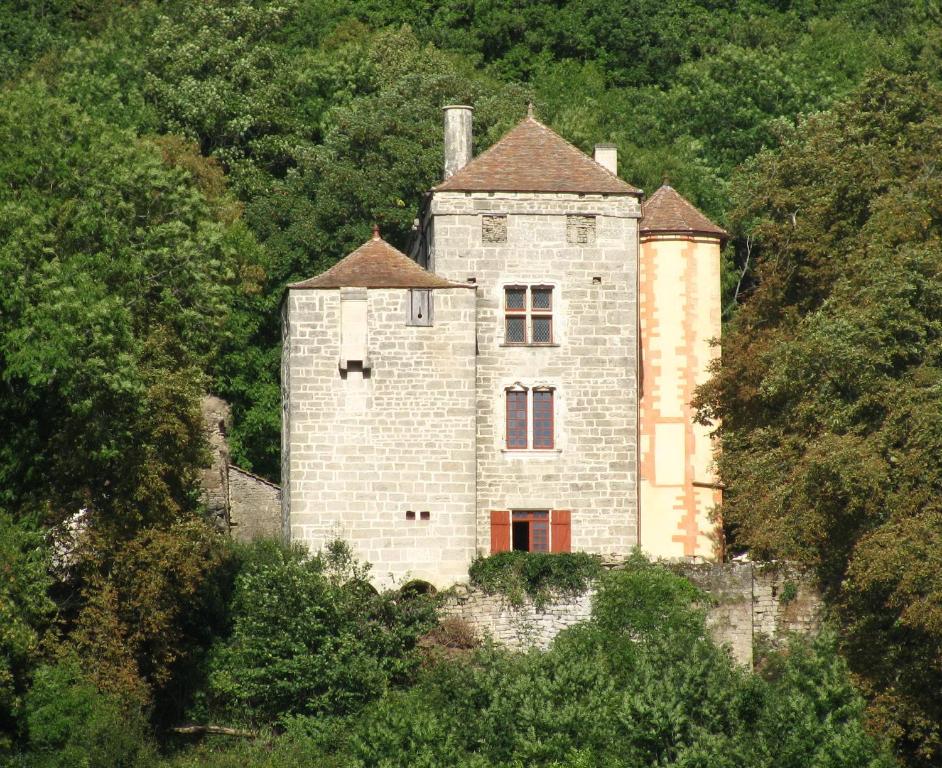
(168, 166)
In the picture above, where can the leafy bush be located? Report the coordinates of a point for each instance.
(25, 613)
(535, 574)
(639, 684)
(308, 639)
(72, 723)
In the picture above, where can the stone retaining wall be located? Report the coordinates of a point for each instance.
(751, 601)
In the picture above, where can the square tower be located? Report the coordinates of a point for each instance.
(549, 236)
(378, 426)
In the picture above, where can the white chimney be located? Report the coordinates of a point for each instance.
(606, 155)
(457, 138)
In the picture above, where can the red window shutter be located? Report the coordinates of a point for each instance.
(562, 530)
(500, 530)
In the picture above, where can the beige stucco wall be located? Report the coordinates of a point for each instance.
(680, 314)
(592, 365)
(362, 450)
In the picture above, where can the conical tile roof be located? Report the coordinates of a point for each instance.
(533, 158)
(666, 211)
(376, 264)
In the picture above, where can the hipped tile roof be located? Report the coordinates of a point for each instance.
(666, 211)
(376, 264)
(533, 158)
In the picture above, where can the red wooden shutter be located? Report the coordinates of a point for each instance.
(562, 530)
(500, 530)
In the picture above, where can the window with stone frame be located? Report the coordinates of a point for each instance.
(580, 230)
(420, 307)
(528, 314)
(530, 418)
(494, 229)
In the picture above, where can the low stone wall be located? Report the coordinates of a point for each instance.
(516, 626)
(750, 601)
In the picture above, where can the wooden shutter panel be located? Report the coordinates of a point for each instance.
(500, 530)
(562, 530)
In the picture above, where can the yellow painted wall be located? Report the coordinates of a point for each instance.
(680, 314)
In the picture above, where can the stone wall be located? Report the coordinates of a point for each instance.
(591, 364)
(254, 507)
(383, 458)
(752, 602)
(214, 481)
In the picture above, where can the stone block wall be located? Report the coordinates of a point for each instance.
(752, 602)
(254, 507)
(383, 458)
(516, 626)
(591, 364)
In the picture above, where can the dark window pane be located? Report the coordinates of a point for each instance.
(542, 419)
(542, 298)
(542, 330)
(516, 330)
(516, 298)
(516, 419)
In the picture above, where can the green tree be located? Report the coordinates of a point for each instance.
(26, 614)
(310, 636)
(829, 388)
(119, 275)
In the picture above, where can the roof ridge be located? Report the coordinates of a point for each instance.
(532, 157)
(667, 211)
(377, 264)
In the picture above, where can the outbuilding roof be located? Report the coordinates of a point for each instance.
(534, 158)
(376, 264)
(667, 211)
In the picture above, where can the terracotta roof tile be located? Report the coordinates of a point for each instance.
(533, 158)
(667, 211)
(376, 264)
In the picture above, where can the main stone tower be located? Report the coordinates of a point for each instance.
(549, 237)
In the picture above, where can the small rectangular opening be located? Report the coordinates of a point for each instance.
(425, 515)
(410, 515)
(420, 306)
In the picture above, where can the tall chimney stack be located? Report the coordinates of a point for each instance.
(457, 138)
(606, 155)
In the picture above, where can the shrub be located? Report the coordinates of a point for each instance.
(308, 639)
(25, 613)
(641, 683)
(70, 723)
(535, 574)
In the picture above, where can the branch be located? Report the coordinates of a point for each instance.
(219, 730)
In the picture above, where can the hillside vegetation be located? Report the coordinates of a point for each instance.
(168, 167)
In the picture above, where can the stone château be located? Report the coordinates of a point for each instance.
(520, 380)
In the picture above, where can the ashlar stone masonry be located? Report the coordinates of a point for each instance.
(483, 393)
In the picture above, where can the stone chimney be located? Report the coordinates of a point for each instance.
(457, 138)
(606, 155)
